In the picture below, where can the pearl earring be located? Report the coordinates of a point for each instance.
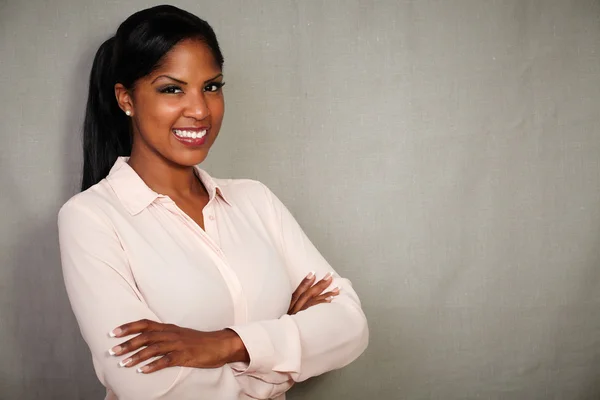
(128, 113)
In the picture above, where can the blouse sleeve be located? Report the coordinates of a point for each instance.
(103, 296)
(322, 338)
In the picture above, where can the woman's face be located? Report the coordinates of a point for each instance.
(177, 110)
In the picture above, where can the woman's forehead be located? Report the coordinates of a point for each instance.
(190, 53)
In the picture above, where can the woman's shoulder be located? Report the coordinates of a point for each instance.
(238, 184)
(92, 200)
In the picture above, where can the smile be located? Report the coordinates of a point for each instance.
(189, 134)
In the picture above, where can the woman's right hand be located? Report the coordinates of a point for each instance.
(309, 294)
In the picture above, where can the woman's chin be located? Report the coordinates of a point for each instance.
(189, 158)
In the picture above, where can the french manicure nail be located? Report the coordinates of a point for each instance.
(142, 369)
(310, 275)
(329, 298)
(114, 350)
(336, 289)
(115, 332)
(125, 362)
(328, 276)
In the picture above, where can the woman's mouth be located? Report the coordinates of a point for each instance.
(191, 136)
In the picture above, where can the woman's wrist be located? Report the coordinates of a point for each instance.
(236, 350)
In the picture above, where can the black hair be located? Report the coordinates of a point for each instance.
(136, 50)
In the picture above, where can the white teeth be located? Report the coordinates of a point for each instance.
(189, 134)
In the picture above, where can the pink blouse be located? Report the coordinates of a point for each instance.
(129, 253)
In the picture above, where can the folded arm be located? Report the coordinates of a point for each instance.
(321, 338)
(103, 296)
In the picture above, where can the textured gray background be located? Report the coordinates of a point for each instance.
(444, 155)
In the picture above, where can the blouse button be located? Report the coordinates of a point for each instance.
(212, 217)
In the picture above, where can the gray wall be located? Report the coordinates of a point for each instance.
(443, 155)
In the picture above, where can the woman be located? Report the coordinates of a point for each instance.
(180, 282)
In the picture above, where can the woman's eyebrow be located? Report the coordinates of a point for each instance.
(170, 77)
(183, 82)
(212, 79)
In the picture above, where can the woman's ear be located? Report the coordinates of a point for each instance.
(124, 99)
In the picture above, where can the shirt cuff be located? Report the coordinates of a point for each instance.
(260, 349)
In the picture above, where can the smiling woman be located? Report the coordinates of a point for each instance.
(180, 103)
(187, 286)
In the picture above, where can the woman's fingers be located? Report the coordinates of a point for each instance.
(303, 287)
(168, 360)
(314, 291)
(147, 332)
(331, 294)
(142, 325)
(143, 339)
(153, 350)
(324, 298)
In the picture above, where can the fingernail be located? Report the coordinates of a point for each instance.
(142, 369)
(115, 332)
(114, 350)
(328, 276)
(336, 289)
(124, 362)
(310, 275)
(329, 298)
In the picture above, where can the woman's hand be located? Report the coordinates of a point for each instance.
(308, 295)
(177, 346)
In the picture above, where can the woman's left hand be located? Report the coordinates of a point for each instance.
(177, 346)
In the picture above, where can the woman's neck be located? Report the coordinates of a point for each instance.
(165, 177)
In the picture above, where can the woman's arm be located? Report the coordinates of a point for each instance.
(320, 339)
(104, 296)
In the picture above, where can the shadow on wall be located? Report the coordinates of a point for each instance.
(55, 360)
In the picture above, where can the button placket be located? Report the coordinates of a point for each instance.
(210, 224)
(227, 272)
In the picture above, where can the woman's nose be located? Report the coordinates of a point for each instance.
(197, 107)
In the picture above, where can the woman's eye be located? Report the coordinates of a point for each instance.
(214, 87)
(171, 90)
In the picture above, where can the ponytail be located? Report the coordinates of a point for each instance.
(106, 131)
